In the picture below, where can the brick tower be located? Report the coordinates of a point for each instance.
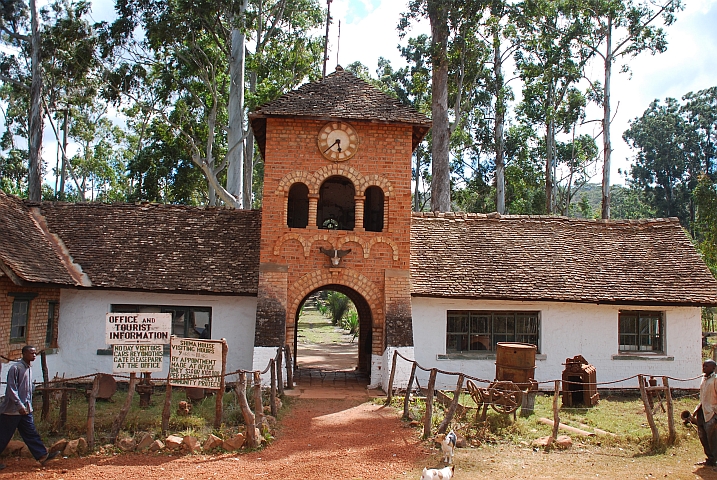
(336, 211)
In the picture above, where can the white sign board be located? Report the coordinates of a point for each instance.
(138, 328)
(137, 358)
(191, 358)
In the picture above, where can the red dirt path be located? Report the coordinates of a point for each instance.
(319, 438)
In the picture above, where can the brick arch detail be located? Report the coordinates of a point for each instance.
(386, 240)
(334, 170)
(292, 236)
(349, 278)
(298, 176)
(376, 181)
(351, 238)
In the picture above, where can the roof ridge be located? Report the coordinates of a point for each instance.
(556, 218)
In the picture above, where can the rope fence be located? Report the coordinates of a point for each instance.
(253, 416)
(504, 400)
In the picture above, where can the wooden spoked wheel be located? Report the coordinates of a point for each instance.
(505, 396)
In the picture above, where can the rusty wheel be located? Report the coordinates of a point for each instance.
(505, 396)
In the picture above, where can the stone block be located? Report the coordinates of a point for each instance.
(127, 444)
(234, 443)
(211, 443)
(145, 440)
(156, 446)
(563, 442)
(173, 442)
(13, 448)
(190, 444)
(82, 446)
(70, 448)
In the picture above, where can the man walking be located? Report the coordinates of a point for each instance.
(16, 409)
(705, 413)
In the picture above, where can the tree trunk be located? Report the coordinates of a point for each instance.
(34, 180)
(498, 127)
(235, 134)
(607, 147)
(441, 183)
(249, 154)
(549, 164)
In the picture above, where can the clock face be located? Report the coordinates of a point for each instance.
(338, 141)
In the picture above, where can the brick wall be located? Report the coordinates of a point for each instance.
(37, 316)
(383, 159)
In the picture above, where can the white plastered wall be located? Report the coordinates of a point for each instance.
(81, 329)
(566, 330)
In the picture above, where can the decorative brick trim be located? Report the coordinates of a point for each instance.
(386, 240)
(376, 181)
(292, 236)
(335, 170)
(297, 177)
(351, 238)
(348, 278)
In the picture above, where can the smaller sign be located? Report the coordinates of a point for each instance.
(190, 359)
(137, 358)
(138, 328)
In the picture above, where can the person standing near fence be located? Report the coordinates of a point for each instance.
(16, 409)
(705, 413)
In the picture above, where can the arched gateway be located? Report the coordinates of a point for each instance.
(336, 211)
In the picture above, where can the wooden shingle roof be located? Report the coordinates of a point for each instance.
(27, 253)
(557, 259)
(161, 247)
(339, 96)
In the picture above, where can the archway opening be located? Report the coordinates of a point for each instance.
(333, 331)
(336, 208)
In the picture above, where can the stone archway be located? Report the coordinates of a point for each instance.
(364, 341)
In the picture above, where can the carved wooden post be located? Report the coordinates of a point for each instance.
(648, 411)
(219, 408)
(454, 405)
(91, 413)
(670, 412)
(117, 424)
(407, 398)
(429, 404)
(389, 393)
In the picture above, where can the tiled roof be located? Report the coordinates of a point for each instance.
(557, 259)
(161, 247)
(26, 250)
(339, 96)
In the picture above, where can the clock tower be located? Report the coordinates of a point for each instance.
(336, 211)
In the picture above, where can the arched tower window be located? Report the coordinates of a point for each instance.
(336, 208)
(297, 213)
(373, 210)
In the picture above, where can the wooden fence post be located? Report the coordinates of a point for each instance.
(289, 368)
(407, 398)
(279, 372)
(117, 424)
(166, 411)
(556, 416)
(454, 405)
(429, 404)
(91, 413)
(258, 404)
(45, 383)
(648, 411)
(389, 393)
(219, 408)
(670, 412)
(249, 419)
(272, 398)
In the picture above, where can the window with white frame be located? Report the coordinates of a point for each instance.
(641, 331)
(476, 330)
(187, 322)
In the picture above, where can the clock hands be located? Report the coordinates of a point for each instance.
(336, 142)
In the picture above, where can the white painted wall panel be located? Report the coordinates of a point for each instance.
(82, 328)
(567, 329)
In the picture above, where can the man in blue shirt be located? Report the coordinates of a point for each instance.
(16, 409)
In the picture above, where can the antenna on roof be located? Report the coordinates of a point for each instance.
(326, 38)
(338, 44)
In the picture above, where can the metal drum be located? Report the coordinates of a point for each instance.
(515, 362)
